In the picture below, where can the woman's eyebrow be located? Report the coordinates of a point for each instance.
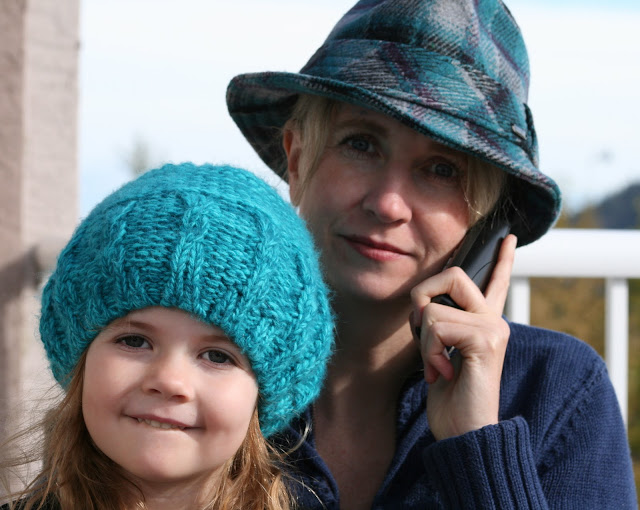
(445, 148)
(352, 121)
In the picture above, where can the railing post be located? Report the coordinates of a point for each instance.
(617, 338)
(518, 300)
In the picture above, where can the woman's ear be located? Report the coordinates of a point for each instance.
(291, 145)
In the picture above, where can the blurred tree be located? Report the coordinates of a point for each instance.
(138, 158)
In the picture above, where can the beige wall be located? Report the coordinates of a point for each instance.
(38, 172)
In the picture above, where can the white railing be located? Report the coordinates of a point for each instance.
(583, 253)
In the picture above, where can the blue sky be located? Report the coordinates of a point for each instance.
(157, 70)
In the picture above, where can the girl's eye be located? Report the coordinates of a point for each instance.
(216, 356)
(134, 341)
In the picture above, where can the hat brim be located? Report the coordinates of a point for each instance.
(261, 103)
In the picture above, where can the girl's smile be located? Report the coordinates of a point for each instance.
(164, 424)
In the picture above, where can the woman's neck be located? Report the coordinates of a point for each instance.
(375, 353)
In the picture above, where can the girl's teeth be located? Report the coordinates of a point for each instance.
(159, 425)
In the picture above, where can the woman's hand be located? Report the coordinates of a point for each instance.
(464, 392)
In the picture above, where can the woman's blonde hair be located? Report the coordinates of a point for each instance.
(78, 475)
(312, 118)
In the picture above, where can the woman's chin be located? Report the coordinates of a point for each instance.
(371, 288)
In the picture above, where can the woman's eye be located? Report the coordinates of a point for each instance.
(443, 170)
(360, 144)
(135, 341)
(216, 356)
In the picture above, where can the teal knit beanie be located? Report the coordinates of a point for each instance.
(216, 242)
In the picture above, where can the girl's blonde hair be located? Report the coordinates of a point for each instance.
(78, 475)
(312, 118)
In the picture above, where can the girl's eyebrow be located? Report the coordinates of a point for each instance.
(128, 323)
(218, 337)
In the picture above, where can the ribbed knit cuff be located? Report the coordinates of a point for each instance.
(488, 468)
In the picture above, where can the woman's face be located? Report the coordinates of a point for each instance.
(385, 205)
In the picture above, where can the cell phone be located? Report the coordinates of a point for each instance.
(477, 254)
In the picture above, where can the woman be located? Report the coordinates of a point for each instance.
(406, 127)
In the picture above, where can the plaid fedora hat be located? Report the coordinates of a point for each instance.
(454, 70)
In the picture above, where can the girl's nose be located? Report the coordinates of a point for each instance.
(169, 376)
(387, 198)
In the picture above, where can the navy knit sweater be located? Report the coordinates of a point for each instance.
(561, 442)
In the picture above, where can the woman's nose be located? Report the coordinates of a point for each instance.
(387, 198)
(169, 376)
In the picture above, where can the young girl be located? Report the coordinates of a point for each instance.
(187, 321)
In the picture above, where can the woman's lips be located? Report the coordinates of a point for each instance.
(375, 250)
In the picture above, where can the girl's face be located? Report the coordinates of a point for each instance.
(167, 397)
(385, 205)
